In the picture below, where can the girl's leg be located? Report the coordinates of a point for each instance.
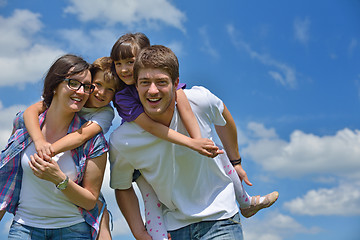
(153, 211)
(242, 196)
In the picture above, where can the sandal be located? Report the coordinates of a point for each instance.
(255, 206)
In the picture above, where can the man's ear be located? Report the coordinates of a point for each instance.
(176, 83)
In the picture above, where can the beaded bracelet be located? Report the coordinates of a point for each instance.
(236, 162)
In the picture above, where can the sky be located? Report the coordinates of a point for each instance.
(288, 71)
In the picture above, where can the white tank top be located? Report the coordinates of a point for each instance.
(41, 204)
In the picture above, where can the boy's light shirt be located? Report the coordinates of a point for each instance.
(102, 116)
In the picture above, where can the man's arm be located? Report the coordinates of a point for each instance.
(2, 213)
(129, 206)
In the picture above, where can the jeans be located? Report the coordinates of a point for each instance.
(227, 229)
(22, 232)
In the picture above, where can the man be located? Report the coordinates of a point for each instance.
(198, 196)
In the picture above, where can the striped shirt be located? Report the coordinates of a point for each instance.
(11, 171)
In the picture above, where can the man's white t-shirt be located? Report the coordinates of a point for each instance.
(192, 187)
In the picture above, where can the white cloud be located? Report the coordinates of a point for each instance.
(301, 30)
(308, 154)
(176, 47)
(353, 44)
(343, 200)
(207, 47)
(128, 12)
(22, 58)
(3, 3)
(274, 226)
(6, 122)
(96, 42)
(283, 74)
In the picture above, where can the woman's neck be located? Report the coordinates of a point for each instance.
(56, 124)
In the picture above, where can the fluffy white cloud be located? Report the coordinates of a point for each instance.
(301, 30)
(343, 200)
(22, 57)
(128, 12)
(283, 227)
(307, 153)
(282, 73)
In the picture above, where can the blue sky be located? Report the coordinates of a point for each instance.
(287, 70)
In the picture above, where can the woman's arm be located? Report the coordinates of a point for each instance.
(187, 115)
(203, 146)
(76, 138)
(31, 119)
(84, 196)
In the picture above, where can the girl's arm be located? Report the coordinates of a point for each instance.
(31, 119)
(187, 115)
(203, 146)
(84, 196)
(76, 138)
(228, 137)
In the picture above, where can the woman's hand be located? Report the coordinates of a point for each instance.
(47, 170)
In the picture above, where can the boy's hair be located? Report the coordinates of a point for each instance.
(64, 67)
(157, 56)
(129, 45)
(106, 65)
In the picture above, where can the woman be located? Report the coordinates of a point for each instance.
(55, 198)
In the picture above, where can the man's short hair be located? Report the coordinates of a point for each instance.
(157, 56)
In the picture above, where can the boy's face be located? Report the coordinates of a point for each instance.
(124, 69)
(104, 91)
(156, 93)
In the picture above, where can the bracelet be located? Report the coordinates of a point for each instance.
(63, 184)
(235, 162)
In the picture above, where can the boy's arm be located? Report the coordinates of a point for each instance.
(187, 115)
(203, 146)
(76, 138)
(31, 119)
(228, 137)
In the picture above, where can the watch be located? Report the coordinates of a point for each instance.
(62, 185)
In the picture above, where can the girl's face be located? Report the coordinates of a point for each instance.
(104, 91)
(124, 69)
(70, 99)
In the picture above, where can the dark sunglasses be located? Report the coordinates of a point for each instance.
(76, 85)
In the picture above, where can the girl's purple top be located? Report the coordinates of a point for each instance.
(128, 105)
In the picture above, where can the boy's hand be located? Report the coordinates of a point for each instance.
(205, 147)
(44, 149)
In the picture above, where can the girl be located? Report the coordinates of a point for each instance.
(130, 109)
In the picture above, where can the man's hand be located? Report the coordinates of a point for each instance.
(242, 174)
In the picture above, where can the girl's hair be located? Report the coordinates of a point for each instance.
(160, 57)
(129, 45)
(105, 65)
(65, 66)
